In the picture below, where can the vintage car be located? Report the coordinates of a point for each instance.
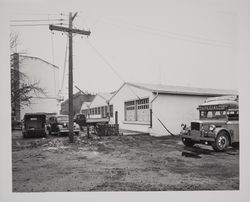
(59, 124)
(80, 119)
(217, 126)
(34, 125)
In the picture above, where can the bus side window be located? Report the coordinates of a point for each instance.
(233, 116)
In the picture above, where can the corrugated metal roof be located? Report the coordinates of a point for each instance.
(170, 89)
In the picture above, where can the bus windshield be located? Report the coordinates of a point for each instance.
(206, 114)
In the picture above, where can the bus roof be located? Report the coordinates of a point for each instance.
(219, 105)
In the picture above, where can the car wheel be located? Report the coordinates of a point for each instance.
(222, 141)
(187, 142)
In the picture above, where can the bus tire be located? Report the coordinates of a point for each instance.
(221, 142)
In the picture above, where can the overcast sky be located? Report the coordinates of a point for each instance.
(188, 43)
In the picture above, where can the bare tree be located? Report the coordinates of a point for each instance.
(14, 42)
(24, 92)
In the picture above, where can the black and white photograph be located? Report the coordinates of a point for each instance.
(125, 97)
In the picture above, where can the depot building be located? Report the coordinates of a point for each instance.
(158, 109)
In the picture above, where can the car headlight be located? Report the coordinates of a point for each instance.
(211, 128)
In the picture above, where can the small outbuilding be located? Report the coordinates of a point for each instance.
(158, 109)
(99, 107)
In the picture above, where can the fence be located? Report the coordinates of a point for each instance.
(107, 129)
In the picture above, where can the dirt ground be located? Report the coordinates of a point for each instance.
(119, 163)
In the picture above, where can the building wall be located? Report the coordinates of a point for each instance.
(173, 110)
(128, 93)
(47, 76)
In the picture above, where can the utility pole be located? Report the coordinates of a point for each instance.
(70, 31)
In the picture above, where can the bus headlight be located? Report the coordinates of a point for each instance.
(211, 128)
(183, 126)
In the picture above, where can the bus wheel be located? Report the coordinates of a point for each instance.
(222, 141)
(187, 142)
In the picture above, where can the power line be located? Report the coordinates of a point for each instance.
(27, 25)
(105, 60)
(64, 66)
(129, 87)
(173, 35)
(41, 20)
(53, 60)
(42, 14)
(111, 66)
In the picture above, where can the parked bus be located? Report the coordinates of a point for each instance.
(218, 124)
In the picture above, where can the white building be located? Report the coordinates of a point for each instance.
(47, 74)
(171, 106)
(99, 107)
(85, 108)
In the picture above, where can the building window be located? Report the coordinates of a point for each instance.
(130, 111)
(137, 110)
(111, 108)
(102, 111)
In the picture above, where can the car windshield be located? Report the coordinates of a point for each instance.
(205, 114)
(63, 119)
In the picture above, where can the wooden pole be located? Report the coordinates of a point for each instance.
(70, 90)
(70, 31)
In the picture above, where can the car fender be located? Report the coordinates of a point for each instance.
(218, 130)
(76, 126)
(59, 127)
(47, 129)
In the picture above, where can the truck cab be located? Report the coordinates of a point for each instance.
(218, 124)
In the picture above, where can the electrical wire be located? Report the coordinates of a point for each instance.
(111, 67)
(173, 35)
(53, 59)
(27, 25)
(128, 85)
(64, 66)
(163, 124)
(41, 14)
(40, 20)
(105, 60)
